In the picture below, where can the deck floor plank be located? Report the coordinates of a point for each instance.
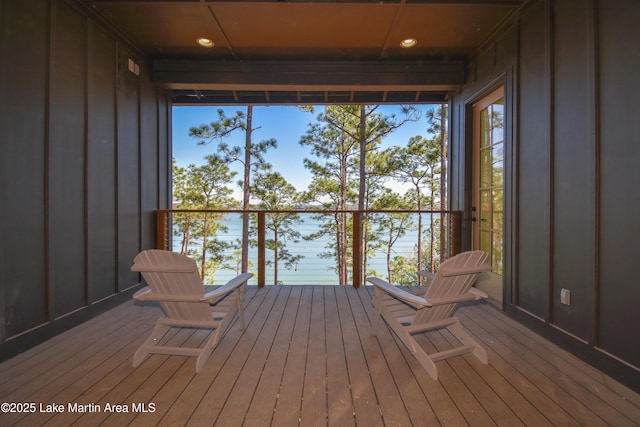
(464, 384)
(521, 407)
(568, 380)
(365, 402)
(582, 380)
(214, 400)
(390, 402)
(32, 358)
(307, 357)
(314, 398)
(497, 409)
(415, 400)
(441, 401)
(339, 397)
(42, 365)
(143, 380)
(93, 371)
(519, 374)
(192, 395)
(249, 376)
(64, 381)
(265, 397)
(288, 405)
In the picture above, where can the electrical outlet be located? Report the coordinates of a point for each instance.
(565, 296)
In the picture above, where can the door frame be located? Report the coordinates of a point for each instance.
(491, 283)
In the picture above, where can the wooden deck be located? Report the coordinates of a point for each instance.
(307, 358)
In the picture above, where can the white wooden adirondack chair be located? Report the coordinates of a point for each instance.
(408, 314)
(173, 280)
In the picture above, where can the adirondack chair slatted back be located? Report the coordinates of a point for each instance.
(454, 277)
(168, 273)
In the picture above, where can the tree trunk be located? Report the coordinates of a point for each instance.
(363, 154)
(342, 247)
(184, 249)
(419, 206)
(342, 220)
(432, 231)
(275, 256)
(443, 180)
(205, 238)
(389, 248)
(246, 191)
(358, 258)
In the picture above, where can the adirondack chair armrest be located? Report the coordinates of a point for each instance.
(142, 293)
(141, 268)
(146, 294)
(446, 272)
(230, 286)
(396, 292)
(473, 294)
(427, 274)
(479, 294)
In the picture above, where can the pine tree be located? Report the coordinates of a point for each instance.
(274, 193)
(250, 156)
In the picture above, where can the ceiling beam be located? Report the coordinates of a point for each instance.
(309, 75)
(225, 97)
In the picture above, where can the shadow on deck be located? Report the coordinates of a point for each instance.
(307, 358)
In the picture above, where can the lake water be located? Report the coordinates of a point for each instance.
(312, 269)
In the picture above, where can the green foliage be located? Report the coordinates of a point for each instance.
(219, 129)
(348, 170)
(273, 192)
(200, 188)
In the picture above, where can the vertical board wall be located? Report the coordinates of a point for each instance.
(84, 162)
(570, 72)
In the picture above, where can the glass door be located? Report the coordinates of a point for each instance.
(488, 201)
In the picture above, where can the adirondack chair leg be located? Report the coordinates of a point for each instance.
(202, 358)
(147, 346)
(240, 310)
(427, 363)
(211, 344)
(463, 336)
(423, 358)
(377, 314)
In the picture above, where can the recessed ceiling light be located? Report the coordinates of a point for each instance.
(202, 41)
(406, 43)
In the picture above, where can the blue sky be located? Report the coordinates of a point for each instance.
(284, 123)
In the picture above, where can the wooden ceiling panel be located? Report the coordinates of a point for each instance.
(249, 30)
(447, 29)
(292, 33)
(315, 26)
(167, 29)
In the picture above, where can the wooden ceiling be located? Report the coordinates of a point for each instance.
(312, 50)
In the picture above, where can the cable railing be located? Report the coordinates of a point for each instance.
(315, 247)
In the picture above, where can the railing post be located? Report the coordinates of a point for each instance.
(261, 250)
(356, 268)
(162, 230)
